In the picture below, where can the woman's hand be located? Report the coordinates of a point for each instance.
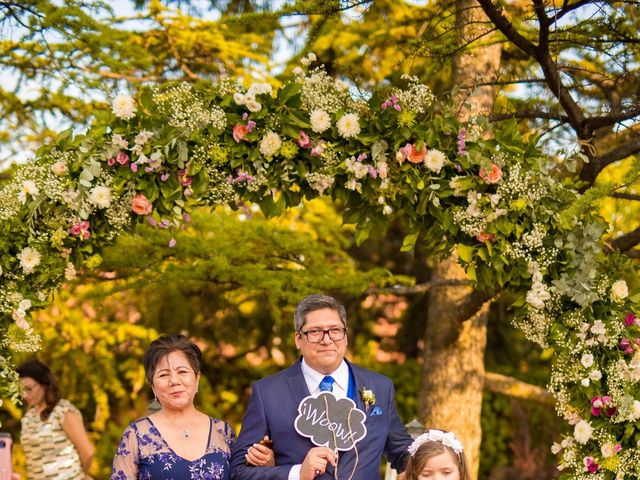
(260, 455)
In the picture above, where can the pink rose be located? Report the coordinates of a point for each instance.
(491, 175)
(239, 132)
(140, 205)
(417, 156)
(111, 162)
(122, 158)
(485, 237)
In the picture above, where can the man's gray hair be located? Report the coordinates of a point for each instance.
(315, 302)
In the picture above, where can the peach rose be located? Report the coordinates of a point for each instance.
(239, 132)
(485, 237)
(491, 175)
(417, 156)
(140, 205)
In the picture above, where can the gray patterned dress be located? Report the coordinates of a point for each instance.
(49, 452)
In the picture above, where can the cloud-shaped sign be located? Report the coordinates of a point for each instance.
(331, 422)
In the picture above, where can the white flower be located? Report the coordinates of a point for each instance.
(21, 322)
(608, 450)
(59, 169)
(448, 439)
(29, 259)
(29, 187)
(619, 291)
(582, 432)
(341, 85)
(349, 125)
(585, 382)
(387, 210)
(123, 107)
(118, 141)
(143, 137)
(598, 328)
(595, 375)
(238, 98)
(70, 197)
(435, 160)
(555, 448)
(635, 412)
(25, 304)
(0, 271)
(270, 144)
(298, 71)
(535, 300)
(586, 360)
(100, 196)
(320, 121)
(70, 271)
(260, 88)
(254, 106)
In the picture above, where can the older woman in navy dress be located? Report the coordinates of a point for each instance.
(178, 442)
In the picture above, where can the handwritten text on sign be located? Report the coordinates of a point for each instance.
(331, 422)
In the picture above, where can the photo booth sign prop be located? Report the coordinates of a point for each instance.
(331, 422)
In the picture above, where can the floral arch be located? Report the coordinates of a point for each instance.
(398, 153)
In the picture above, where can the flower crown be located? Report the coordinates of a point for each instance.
(448, 439)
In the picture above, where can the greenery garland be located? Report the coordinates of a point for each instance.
(397, 153)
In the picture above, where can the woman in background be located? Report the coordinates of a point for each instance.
(55, 442)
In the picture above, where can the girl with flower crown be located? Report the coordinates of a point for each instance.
(437, 455)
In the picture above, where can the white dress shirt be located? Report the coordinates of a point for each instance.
(313, 378)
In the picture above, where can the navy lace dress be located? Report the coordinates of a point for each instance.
(144, 455)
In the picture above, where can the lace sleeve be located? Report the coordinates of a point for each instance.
(229, 435)
(125, 462)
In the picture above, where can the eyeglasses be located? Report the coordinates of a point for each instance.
(29, 388)
(316, 335)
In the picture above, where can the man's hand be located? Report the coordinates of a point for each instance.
(315, 463)
(260, 455)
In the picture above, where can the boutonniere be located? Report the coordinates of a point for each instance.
(368, 397)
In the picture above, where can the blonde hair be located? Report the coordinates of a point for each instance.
(428, 450)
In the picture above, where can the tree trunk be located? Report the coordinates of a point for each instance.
(453, 371)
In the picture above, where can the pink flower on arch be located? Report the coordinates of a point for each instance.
(140, 205)
(81, 229)
(122, 158)
(304, 141)
(485, 237)
(239, 132)
(493, 174)
(590, 465)
(417, 156)
(630, 319)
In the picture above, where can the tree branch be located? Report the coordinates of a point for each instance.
(420, 288)
(529, 114)
(625, 242)
(512, 387)
(625, 196)
(506, 28)
(623, 151)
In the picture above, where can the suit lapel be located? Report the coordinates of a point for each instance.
(297, 383)
(360, 384)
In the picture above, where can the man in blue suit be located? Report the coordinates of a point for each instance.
(320, 323)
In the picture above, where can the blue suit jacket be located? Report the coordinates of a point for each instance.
(273, 408)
